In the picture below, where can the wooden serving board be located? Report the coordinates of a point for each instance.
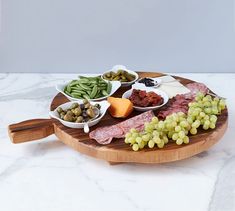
(117, 151)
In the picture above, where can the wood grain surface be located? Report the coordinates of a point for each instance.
(119, 152)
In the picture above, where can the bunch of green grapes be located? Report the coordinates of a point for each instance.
(203, 111)
(158, 132)
(177, 126)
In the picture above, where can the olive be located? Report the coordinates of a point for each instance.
(87, 105)
(77, 111)
(62, 113)
(90, 112)
(84, 114)
(62, 116)
(82, 106)
(85, 101)
(68, 118)
(69, 112)
(59, 110)
(74, 105)
(79, 119)
(97, 106)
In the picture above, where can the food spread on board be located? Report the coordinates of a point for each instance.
(174, 122)
(119, 75)
(79, 112)
(88, 88)
(143, 98)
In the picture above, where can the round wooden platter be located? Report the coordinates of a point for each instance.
(117, 151)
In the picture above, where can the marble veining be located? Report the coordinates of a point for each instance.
(48, 175)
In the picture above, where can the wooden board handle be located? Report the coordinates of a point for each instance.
(30, 130)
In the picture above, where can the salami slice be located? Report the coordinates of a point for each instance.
(104, 135)
(136, 122)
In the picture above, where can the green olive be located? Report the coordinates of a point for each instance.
(79, 119)
(90, 112)
(68, 118)
(74, 105)
(87, 105)
(59, 110)
(77, 111)
(85, 101)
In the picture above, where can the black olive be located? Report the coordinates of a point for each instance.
(82, 106)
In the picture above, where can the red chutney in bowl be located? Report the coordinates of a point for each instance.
(145, 99)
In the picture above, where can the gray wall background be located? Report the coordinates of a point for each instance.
(93, 35)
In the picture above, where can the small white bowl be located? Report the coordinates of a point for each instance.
(141, 86)
(156, 80)
(104, 105)
(115, 86)
(121, 67)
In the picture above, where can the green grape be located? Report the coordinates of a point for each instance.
(160, 145)
(200, 95)
(222, 104)
(177, 128)
(190, 119)
(186, 139)
(181, 134)
(195, 113)
(213, 118)
(134, 135)
(205, 127)
(126, 141)
(157, 140)
(179, 141)
(193, 131)
(205, 99)
(133, 130)
(184, 123)
(207, 104)
(156, 133)
(196, 124)
(138, 140)
(141, 144)
(208, 110)
(202, 114)
(206, 117)
(128, 135)
(207, 122)
(160, 125)
(165, 139)
(214, 103)
(175, 136)
(135, 147)
(131, 140)
(214, 110)
(154, 120)
(170, 134)
(151, 144)
(146, 137)
(212, 125)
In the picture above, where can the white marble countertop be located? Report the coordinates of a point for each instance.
(48, 175)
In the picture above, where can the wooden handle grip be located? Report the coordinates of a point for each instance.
(30, 130)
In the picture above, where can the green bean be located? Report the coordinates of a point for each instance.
(109, 87)
(94, 91)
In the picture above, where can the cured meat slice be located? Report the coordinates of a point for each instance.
(104, 135)
(136, 122)
(180, 102)
(194, 88)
